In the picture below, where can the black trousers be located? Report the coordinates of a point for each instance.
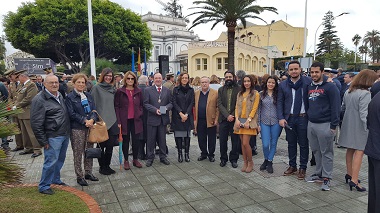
(227, 128)
(107, 149)
(206, 138)
(373, 185)
(127, 139)
(156, 133)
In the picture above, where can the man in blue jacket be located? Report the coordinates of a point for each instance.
(323, 115)
(292, 105)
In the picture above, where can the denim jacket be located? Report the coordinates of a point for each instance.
(76, 111)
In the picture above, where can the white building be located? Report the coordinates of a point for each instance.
(169, 37)
(9, 62)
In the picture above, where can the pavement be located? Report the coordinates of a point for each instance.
(203, 186)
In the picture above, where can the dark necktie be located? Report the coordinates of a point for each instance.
(159, 89)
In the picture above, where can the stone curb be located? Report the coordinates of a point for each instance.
(92, 205)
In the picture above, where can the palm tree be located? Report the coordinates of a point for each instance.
(373, 39)
(356, 39)
(364, 50)
(228, 12)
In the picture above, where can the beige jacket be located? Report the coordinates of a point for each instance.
(212, 111)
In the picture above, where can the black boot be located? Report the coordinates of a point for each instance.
(178, 142)
(270, 167)
(187, 149)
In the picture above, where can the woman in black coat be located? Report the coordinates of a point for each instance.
(182, 115)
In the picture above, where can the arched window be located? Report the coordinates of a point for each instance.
(169, 51)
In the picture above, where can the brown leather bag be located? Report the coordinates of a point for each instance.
(98, 133)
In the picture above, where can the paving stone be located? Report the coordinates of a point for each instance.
(184, 184)
(170, 176)
(131, 193)
(111, 208)
(207, 179)
(327, 209)
(159, 188)
(281, 206)
(262, 195)
(236, 200)
(195, 194)
(127, 182)
(97, 188)
(105, 198)
(165, 200)
(257, 208)
(352, 206)
(363, 199)
(150, 179)
(209, 205)
(307, 201)
(330, 197)
(285, 189)
(138, 205)
(227, 176)
(345, 190)
(221, 189)
(243, 184)
(182, 208)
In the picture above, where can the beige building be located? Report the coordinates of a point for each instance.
(254, 47)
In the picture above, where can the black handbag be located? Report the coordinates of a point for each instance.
(93, 153)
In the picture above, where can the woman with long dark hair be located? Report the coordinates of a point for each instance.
(354, 132)
(129, 111)
(104, 94)
(270, 128)
(182, 116)
(247, 104)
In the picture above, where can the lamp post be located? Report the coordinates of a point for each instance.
(269, 62)
(304, 31)
(91, 38)
(315, 36)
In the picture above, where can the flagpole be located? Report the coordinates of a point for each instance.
(91, 38)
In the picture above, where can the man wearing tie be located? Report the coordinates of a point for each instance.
(158, 102)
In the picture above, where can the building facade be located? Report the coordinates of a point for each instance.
(169, 37)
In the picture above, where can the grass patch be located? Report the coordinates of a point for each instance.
(28, 199)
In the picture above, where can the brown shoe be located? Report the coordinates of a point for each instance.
(126, 165)
(301, 174)
(137, 164)
(290, 171)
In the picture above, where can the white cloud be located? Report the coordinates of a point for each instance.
(359, 21)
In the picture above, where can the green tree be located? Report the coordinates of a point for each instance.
(3, 50)
(328, 40)
(364, 50)
(372, 38)
(58, 29)
(228, 12)
(356, 39)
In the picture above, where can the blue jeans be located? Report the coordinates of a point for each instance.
(298, 135)
(4, 143)
(54, 159)
(269, 137)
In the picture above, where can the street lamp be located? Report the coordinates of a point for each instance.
(269, 62)
(315, 36)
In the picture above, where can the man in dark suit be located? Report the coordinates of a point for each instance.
(156, 98)
(292, 104)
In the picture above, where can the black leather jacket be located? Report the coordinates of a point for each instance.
(48, 117)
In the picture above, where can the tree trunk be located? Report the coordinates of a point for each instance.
(231, 45)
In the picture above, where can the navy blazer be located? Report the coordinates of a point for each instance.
(76, 111)
(151, 96)
(285, 98)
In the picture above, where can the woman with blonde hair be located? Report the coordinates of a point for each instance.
(247, 104)
(196, 83)
(80, 105)
(354, 132)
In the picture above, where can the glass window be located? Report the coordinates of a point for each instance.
(204, 60)
(226, 63)
(198, 63)
(218, 63)
(170, 51)
(157, 52)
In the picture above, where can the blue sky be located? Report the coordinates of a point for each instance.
(362, 15)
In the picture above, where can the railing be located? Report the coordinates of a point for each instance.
(172, 32)
(208, 44)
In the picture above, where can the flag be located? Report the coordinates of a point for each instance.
(138, 64)
(133, 60)
(146, 68)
